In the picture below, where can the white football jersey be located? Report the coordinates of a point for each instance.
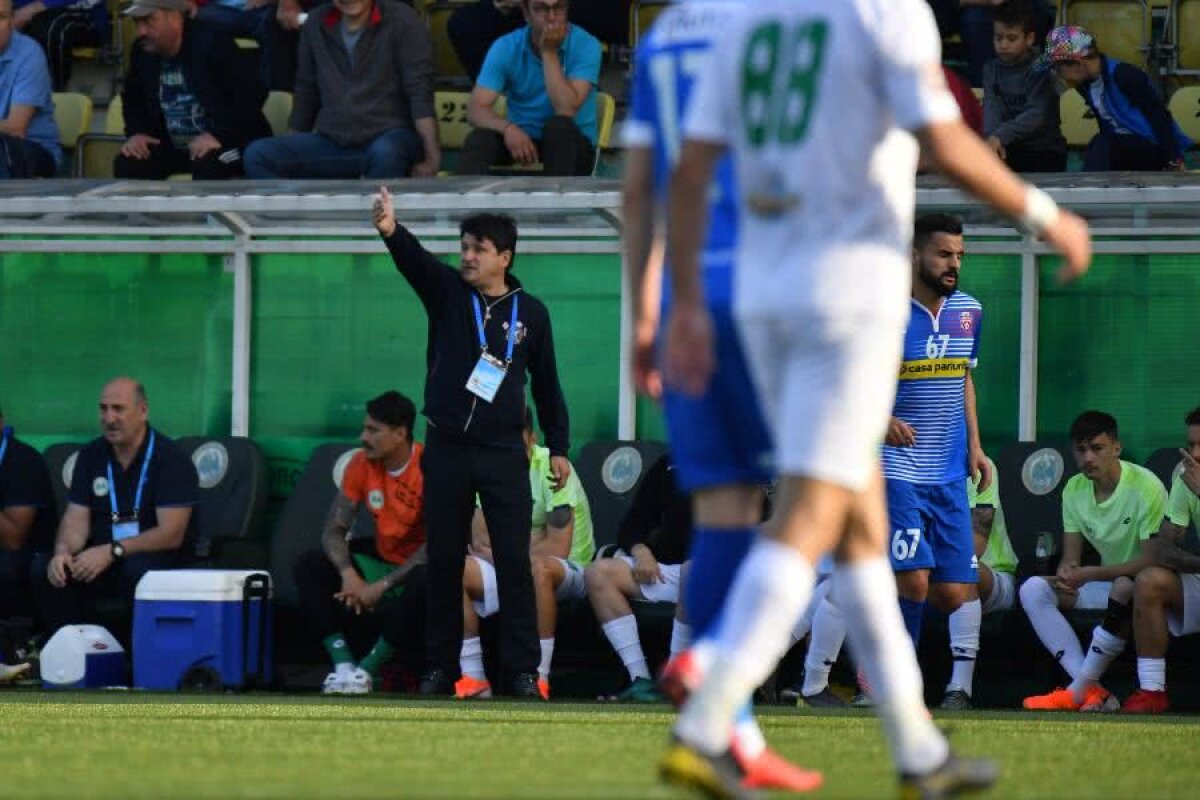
(815, 99)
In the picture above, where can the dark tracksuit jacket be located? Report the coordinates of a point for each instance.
(1129, 109)
(474, 447)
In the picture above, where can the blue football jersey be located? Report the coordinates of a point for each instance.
(938, 352)
(666, 65)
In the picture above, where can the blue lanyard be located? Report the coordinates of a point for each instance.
(3, 447)
(137, 499)
(512, 328)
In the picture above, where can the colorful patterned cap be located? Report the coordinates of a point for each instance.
(1066, 43)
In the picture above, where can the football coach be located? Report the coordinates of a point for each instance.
(485, 333)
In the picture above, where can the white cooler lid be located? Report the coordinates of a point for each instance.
(203, 585)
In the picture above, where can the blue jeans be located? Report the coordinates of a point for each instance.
(311, 155)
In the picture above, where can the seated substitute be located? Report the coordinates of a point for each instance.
(1115, 506)
(653, 543)
(1166, 596)
(363, 105)
(561, 543)
(997, 587)
(129, 511)
(28, 134)
(192, 99)
(365, 576)
(26, 522)
(547, 71)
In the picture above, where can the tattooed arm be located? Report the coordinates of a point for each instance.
(1165, 549)
(337, 525)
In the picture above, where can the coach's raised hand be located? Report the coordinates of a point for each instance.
(383, 214)
(1069, 235)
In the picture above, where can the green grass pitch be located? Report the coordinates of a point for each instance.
(105, 745)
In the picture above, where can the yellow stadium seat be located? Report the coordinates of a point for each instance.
(642, 15)
(451, 110)
(975, 90)
(1186, 27)
(277, 110)
(1078, 123)
(114, 120)
(72, 115)
(1185, 108)
(445, 60)
(94, 155)
(606, 113)
(1121, 27)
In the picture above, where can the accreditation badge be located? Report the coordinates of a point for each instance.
(486, 378)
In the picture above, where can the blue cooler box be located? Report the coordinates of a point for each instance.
(203, 629)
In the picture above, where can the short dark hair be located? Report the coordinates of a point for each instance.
(937, 222)
(1090, 424)
(1192, 418)
(1016, 13)
(393, 408)
(499, 229)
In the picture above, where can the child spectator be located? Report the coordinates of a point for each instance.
(1020, 106)
(1136, 130)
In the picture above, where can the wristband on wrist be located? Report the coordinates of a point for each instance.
(1040, 211)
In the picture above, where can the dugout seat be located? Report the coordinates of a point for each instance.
(303, 518)
(233, 497)
(610, 472)
(278, 109)
(1166, 463)
(60, 460)
(1032, 476)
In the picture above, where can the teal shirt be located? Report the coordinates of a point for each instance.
(513, 68)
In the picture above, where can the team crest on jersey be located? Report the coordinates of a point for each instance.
(521, 331)
(375, 499)
(967, 321)
(100, 487)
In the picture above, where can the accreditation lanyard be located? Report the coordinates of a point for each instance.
(484, 381)
(137, 498)
(512, 329)
(3, 446)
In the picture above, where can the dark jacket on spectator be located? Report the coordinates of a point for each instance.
(1020, 106)
(223, 77)
(387, 85)
(660, 517)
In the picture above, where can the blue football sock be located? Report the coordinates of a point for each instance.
(716, 555)
(914, 613)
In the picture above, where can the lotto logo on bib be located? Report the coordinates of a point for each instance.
(923, 369)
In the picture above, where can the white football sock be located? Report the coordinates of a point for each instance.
(964, 645)
(1152, 674)
(622, 634)
(1041, 606)
(751, 742)
(865, 591)
(344, 670)
(805, 623)
(1105, 647)
(681, 637)
(828, 634)
(547, 657)
(771, 588)
(470, 659)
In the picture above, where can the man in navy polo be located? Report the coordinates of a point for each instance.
(26, 521)
(128, 512)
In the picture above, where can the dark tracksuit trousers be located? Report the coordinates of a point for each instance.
(455, 472)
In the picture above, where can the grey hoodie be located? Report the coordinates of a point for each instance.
(1020, 106)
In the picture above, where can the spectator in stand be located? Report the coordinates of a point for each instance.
(129, 510)
(972, 19)
(363, 100)
(60, 26)
(1136, 129)
(257, 20)
(547, 70)
(192, 99)
(653, 542)
(474, 28)
(28, 135)
(1020, 106)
